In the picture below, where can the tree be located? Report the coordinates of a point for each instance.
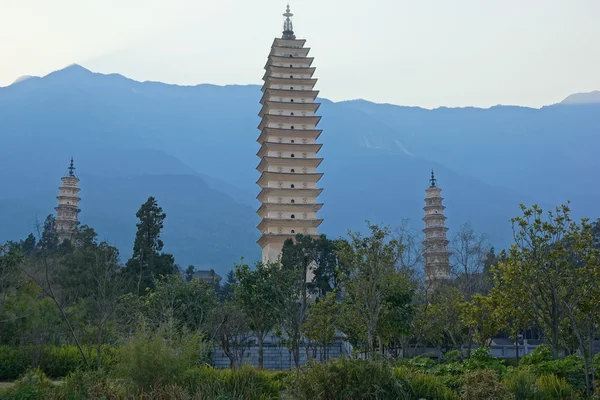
(10, 259)
(327, 269)
(371, 261)
(298, 261)
(147, 262)
(552, 268)
(40, 270)
(470, 251)
(255, 295)
(478, 315)
(322, 321)
(536, 265)
(231, 331)
(189, 273)
(226, 291)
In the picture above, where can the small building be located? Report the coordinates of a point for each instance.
(207, 276)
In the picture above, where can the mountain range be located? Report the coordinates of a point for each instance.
(194, 149)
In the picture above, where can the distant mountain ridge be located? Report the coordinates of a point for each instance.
(583, 98)
(194, 148)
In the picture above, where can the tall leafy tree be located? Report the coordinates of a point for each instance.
(322, 321)
(255, 295)
(148, 262)
(371, 261)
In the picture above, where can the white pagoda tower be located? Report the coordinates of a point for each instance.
(68, 205)
(288, 145)
(437, 256)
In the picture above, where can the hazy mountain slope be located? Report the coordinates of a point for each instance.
(147, 138)
(204, 227)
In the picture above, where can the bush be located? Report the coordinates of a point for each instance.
(552, 387)
(13, 363)
(452, 356)
(569, 368)
(32, 386)
(350, 379)
(159, 358)
(484, 385)
(540, 354)
(54, 361)
(482, 359)
(424, 386)
(521, 382)
(244, 383)
(88, 385)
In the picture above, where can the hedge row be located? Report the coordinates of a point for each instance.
(54, 361)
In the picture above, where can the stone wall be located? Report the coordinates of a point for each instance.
(277, 356)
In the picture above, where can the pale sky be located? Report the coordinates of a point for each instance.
(425, 53)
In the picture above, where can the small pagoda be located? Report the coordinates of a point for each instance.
(437, 256)
(68, 210)
(288, 145)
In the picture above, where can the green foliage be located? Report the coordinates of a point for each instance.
(484, 385)
(253, 293)
(322, 320)
(159, 357)
(147, 262)
(83, 385)
(481, 359)
(54, 361)
(33, 385)
(424, 386)
(551, 387)
(540, 354)
(452, 356)
(521, 382)
(351, 379)
(242, 383)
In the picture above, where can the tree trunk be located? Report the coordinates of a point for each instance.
(517, 348)
(380, 340)
(261, 339)
(369, 344)
(99, 347)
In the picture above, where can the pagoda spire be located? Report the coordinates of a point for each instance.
(68, 210)
(437, 256)
(288, 151)
(288, 27)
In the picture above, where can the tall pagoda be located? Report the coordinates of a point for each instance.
(288, 145)
(437, 256)
(68, 204)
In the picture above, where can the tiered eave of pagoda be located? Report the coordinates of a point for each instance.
(288, 145)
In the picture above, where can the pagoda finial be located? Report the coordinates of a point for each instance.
(71, 168)
(432, 179)
(288, 27)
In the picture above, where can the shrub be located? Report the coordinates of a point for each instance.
(552, 387)
(452, 356)
(482, 359)
(88, 385)
(244, 383)
(569, 368)
(521, 383)
(424, 386)
(484, 385)
(422, 362)
(540, 354)
(13, 363)
(31, 386)
(59, 361)
(158, 358)
(350, 379)
(54, 361)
